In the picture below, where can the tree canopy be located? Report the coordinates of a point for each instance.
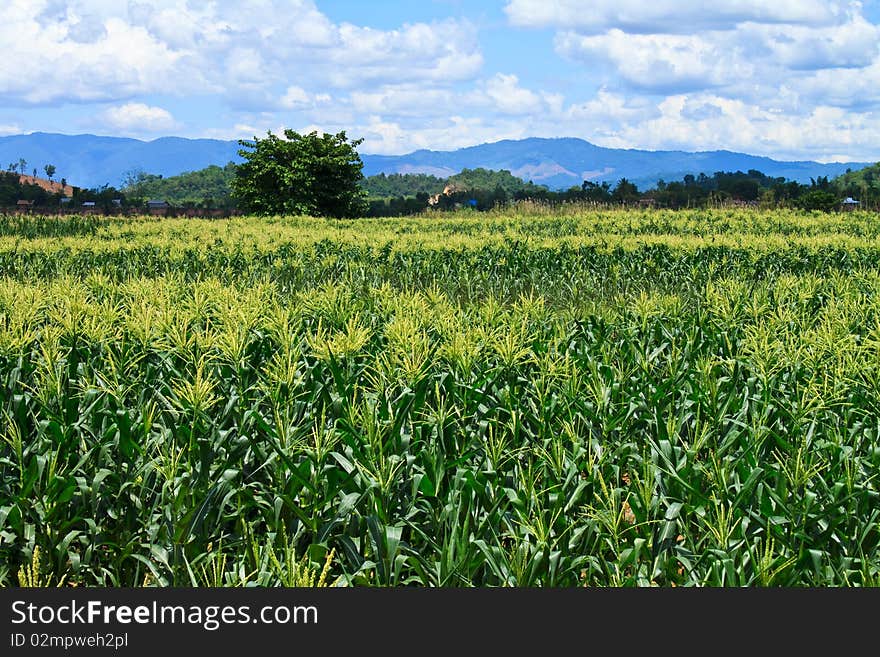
(209, 187)
(392, 185)
(405, 194)
(309, 174)
(863, 184)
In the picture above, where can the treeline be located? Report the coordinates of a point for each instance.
(12, 191)
(863, 184)
(399, 194)
(387, 194)
(397, 185)
(752, 187)
(483, 189)
(105, 199)
(480, 189)
(208, 188)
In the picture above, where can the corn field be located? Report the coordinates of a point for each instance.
(529, 397)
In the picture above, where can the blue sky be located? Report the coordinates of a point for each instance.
(791, 79)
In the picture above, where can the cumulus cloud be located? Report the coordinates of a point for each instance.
(707, 121)
(858, 89)
(508, 97)
(761, 55)
(689, 121)
(88, 50)
(297, 98)
(445, 51)
(138, 118)
(449, 133)
(854, 43)
(405, 100)
(242, 131)
(47, 66)
(789, 78)
(764, 67)
(669, 16)
(607, 110)
(661, 62)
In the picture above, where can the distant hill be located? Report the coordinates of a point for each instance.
(412, 184)
(861, 183)
(90, 161)
(564, 162)
(209, 184)
(51, 186)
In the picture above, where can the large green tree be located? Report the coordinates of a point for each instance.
(309, 174)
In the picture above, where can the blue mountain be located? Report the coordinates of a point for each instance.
(563, 162)
(92, 161)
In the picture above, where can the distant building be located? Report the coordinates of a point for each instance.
(23, 205)
(158, 208)
(849, 203)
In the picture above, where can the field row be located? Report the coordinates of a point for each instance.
(573, 225)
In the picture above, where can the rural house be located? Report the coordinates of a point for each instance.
(158, 208)
(849, 203)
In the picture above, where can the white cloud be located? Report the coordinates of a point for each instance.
(851, 44)
(661, 61)
(405, 100)
(245, 67)
(668, 16)
(46, 66)
(508, 97)
(445, 51)
(792, 78)
(98, 50)
(691, 121)
(138, 118)
(773, 57)
(241, 131)
(297, 98)
(386, 137)
(705, 121)
(501, 94)
(857, 88)
(607, 111)
(449, 133)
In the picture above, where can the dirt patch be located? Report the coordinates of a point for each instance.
(49, 185)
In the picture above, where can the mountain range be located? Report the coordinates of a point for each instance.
(92, 161)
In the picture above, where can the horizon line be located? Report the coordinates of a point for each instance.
(419, 150)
